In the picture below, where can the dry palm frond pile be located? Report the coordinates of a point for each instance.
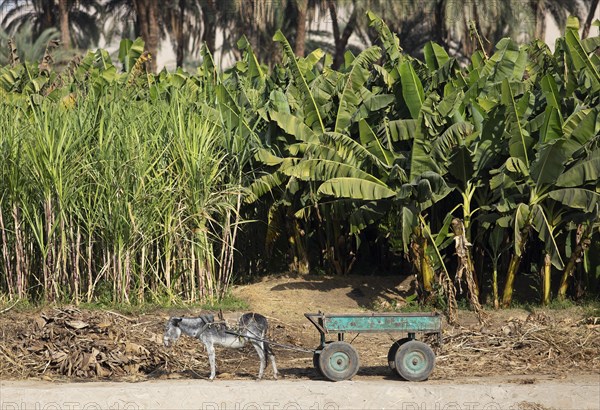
(539, 344)
(80, 344)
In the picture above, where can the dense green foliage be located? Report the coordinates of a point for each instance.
(137, 185)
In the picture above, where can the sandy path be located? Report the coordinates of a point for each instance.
(580, 392)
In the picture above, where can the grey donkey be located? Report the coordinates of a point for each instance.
(252, 327)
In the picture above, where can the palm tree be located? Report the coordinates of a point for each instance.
(138, 18)
(78, 21)
(494, 20)
(65, 33)
(301, 11)
(186, 21)
(258, 20)
(28, 47)
(415, 23)
(183, 21)
(148, 18)
(210, 14)
(559, 10)
(341, 37)
(593, 5)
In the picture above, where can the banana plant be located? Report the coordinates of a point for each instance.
(319, 160)
(532, 194)
(554, 175)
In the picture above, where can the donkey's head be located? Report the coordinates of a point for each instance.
(172, 331)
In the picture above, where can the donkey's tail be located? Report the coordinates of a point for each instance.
(268, 349)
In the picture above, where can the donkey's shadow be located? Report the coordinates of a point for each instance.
(162, 373)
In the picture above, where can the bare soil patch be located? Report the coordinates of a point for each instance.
(67, 343)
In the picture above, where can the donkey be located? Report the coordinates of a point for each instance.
(252, 328)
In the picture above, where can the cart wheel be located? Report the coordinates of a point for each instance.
(339, 361)
(316, 364)
(392, 352)
(317, 356)
(414, 361)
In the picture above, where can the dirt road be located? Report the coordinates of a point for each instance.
(580, 392)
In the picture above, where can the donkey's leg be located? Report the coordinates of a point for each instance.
(210, 348)
(259, 347)
(271, 357)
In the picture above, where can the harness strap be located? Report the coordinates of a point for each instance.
(208, 325)
(271, 343)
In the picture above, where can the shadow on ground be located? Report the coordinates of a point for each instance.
(366, 291)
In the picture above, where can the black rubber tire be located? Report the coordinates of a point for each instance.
(414, 361)
(393, 350)
(316, 356)
(339, 361)
(316, 364)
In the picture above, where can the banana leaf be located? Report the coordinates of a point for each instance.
(355, 188)
(311, 111)
(412, 89)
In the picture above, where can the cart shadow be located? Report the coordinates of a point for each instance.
(312, 374)
(291, 373)
(379, 371)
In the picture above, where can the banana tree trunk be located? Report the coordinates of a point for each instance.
(546, 269)
(450, 292)
(513, 267)
(299, 256)
(515, 261)
(427, 269)
(13, 57)
(465, 266)
(495, 284)
(425, 273)
(580, 248)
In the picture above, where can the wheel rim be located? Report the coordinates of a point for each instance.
(339, 362)
(415, 362)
